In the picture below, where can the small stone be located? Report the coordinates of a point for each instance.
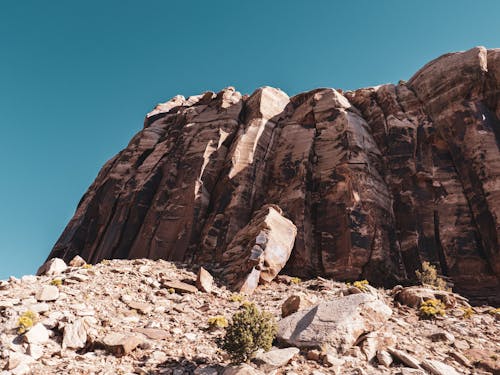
(384, 358)
(275, 358)
(40, 307)
(38, 334)
(77, 261)
(22, 369)
(404, 358)
(35, 351)
(28, 279)
(442, 336)
(120, 344)
(460, 358)
(53, 267)
(313, 355)
(243, 369)
(204, 280)
(191, 336)
(461, 344)
(329, 360)
(410, 371)
(48, 293)
(141, 307)
(75, 335)
(153, 333)
(438, 368)
(18, 359)
(296, 302)
(205, 370)
(180, 287)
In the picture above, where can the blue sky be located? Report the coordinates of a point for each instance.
(77, 77)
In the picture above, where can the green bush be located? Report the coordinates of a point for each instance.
(429, 276)
(27, 320)
(249, 331)
(217, 321)
(432, 308)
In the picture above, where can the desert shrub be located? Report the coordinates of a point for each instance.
(236, 298)
(429, 276)
(494, 312)
(468, 312)
(249, 331)
(295, 280)
(27, 320)
(56, 282)
(361, 285)
(217, 321)
(432, 308)
(87, 266)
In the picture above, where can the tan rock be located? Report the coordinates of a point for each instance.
(438, 368)
(296, 302)
(384, 358)
(204, 280)
(142, 307)
(241, 370)
(48, 293)
(120, 344)
(404, 358)
(75, 335)
(52, 267)
(275, 358)
(38, 334)
(77, 261)
(260, 250)
(154, 333)
(35, 351)
(17, 360)
(180, 287)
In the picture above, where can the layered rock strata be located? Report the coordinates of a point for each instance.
(375, 180)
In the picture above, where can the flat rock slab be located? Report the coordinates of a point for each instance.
(75, 335)
(48, 293)
(121, 344)
(337, 323)
(180, 287)
(38, 334)
(154, 333)
(141, 307)
(405, 358)
(275, 358)
(438, 368)
(241, 370)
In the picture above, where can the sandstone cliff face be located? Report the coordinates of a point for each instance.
(375, 180)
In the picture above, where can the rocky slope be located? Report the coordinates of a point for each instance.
(372, 181)
(148, 317)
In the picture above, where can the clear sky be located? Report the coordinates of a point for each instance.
(77, 77)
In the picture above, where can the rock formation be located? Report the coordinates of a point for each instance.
(375, 180)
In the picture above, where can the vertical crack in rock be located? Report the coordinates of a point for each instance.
(374, 181)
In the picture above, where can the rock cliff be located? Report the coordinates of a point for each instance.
(372, 182)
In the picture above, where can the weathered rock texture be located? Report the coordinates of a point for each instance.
(375, 180)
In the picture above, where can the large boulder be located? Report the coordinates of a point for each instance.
(260, 250)
(52, 267)
(336, 324)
